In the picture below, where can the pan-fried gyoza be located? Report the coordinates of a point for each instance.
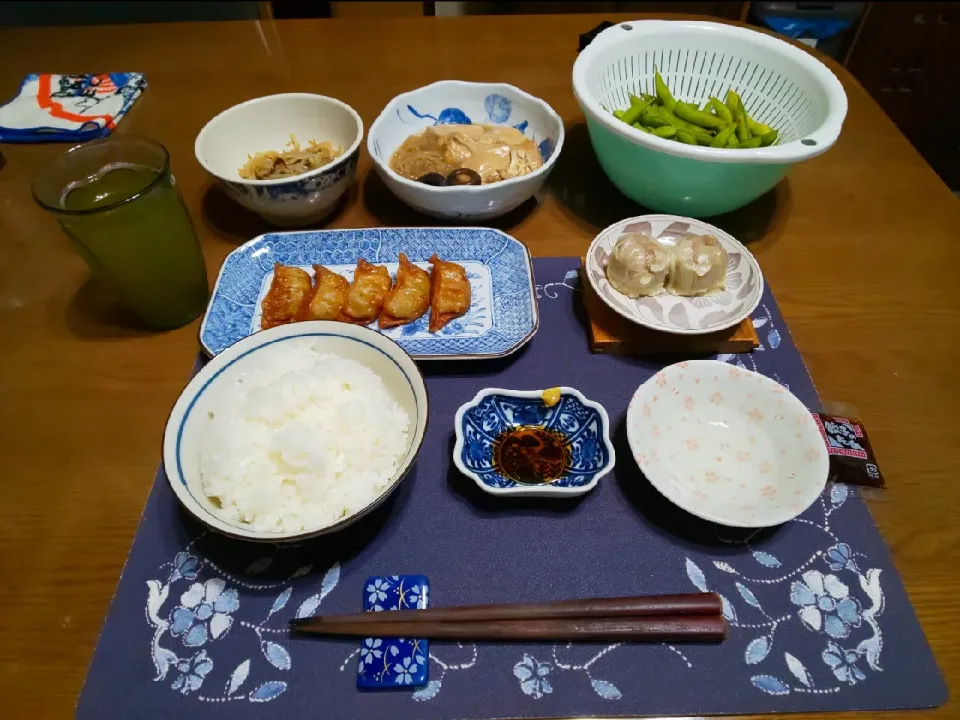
(449, 293)
(372, 296)
(410, 297)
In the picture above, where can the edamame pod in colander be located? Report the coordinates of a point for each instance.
(725, 134)
(722, 111)
(756, 128)
(633, 113)
(742, 132)
(718, 124)
(655, 120)
(678, 123)
(732, 101)
(696, 117)
(663, 92)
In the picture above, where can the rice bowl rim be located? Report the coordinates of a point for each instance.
(205, 377)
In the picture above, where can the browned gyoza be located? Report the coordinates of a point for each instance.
(410, 297)
(288, 290)
(372, 295)
(369, 289)
(450, 292)
(327, 298)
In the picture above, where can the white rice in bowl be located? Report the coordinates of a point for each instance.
(301, 441)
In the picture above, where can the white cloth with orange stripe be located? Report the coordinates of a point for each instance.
(64, 108)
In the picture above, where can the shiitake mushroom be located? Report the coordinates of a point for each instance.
(433, 178)
(464, 176)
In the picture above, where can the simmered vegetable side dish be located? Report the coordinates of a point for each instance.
(455, 154)
(270, 164)
(718, 124)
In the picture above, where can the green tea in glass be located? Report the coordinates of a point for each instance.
(119, 204)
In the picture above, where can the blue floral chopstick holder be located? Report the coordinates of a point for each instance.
(394, 662)
(68, 108)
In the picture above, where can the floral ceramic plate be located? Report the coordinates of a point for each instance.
(728, 445)
(669, 313)
(503, 313)
(580, 422)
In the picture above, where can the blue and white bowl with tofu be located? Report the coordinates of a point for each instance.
(526, 443)
(465, 103)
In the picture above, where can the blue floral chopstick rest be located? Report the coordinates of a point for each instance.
(387, 663)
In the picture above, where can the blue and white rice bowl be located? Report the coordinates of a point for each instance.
(267, 123)
(493, 411)
(454, 101)
(208, 394)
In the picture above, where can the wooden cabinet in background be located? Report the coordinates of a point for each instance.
(730, 9)
(906, 58)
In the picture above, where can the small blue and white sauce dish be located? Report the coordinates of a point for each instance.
(269, 123)
(527, 443)
(453, 102)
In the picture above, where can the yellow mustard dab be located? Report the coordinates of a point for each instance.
(551, 397)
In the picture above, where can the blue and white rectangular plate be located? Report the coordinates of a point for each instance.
(503, 313)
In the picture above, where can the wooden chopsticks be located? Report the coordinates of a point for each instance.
(677, 618)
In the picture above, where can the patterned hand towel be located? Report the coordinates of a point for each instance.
(68, 108)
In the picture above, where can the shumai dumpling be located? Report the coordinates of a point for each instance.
(699, 266)
(638, 265)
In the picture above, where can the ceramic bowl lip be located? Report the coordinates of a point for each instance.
(534, 489)
(212, 369)
(347, 155)
(384, 167)
(663, 486)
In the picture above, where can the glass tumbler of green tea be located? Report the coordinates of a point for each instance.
(118, 203)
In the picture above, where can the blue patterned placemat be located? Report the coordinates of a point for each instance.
(819, 618)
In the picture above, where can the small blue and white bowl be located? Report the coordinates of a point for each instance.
(267, 123)
(494, 411)
(454, 101)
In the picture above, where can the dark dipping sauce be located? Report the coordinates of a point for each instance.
(531, 455)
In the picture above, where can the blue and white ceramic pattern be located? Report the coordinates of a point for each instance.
(493, 411)
(269, 123)
(503, 313)
(394, 663)
(453, 101)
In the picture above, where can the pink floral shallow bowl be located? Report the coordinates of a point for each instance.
(669, 313)
(727, 445)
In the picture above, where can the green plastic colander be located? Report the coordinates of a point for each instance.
(780, 85)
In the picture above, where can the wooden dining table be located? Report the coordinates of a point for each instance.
(859, 246)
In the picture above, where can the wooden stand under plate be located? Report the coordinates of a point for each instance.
(609, 332)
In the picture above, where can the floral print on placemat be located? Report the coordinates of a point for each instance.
(809, 624)
(196, 603)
